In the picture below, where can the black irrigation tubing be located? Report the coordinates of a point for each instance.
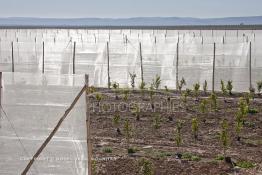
(17, 136)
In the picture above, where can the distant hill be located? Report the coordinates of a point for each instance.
(139, 21)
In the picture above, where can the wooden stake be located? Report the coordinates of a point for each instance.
(74, 57)
(108, 64)
(1, 89)
(214, 65)
(39, 151)
(43, 63)
(141, 60)
(13, 66)
(250, 66)
(88, 128)
(177, 58)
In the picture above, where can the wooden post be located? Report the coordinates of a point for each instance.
(250, 66)
(88, 129)
(177, 58)
(1, 90)
(74, 57)
(141, 60)
(43, 63)
(13, 66)
(108, 64)
(214, 65)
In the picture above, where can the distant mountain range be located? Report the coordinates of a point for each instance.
(138, 21)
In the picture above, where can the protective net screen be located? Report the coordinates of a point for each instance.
(158, 50)
(32, 106)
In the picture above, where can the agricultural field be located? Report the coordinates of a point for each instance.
(160, 101)
(192, 131)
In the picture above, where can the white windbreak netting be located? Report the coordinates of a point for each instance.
(32, 106)
(158, 52)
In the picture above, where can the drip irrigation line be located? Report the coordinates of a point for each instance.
(17, 136)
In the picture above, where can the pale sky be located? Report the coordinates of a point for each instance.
(129, 8)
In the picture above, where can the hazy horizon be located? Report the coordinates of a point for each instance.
(129, 9)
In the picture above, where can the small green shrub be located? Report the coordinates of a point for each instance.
(178, 136)
(131, 150)
(213, 101)
(115, 85)
(252, 111)
(195, 126)
(190, 157)
(230, 86)
(99, 97)
(127, 131)
(203, 106)
(259, 86)
(142, 87)
(133, 77)
(151, 92)
(220, 157)
(205, 87)
(146, 167)
(107, 150)
(224, 136)
(181, 84)
(156, 82)
(92, 89)
(195, 158)
(156, 121)
(162, 154)
(126, 94)
(116, 120)
(223, 87)
(245, 164)
(94, 167)
(196, 90)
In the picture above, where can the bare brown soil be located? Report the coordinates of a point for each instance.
(158, 145)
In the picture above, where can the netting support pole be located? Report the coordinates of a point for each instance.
(13, 66)
(108, 63)
(88, 129)
(177, 59)
(1, 90)
(141, 60)
(43, 63)
(250, 66)
(74, 57)
(214, 65)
